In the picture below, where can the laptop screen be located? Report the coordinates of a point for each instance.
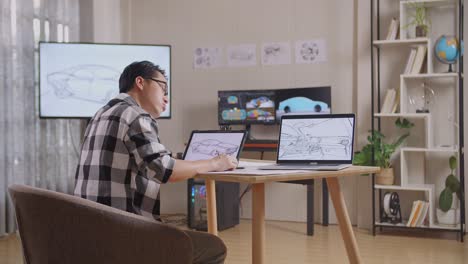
(316, 138)
(206, 144)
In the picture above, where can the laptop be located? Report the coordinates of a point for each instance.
(315, 142)
(206, 144)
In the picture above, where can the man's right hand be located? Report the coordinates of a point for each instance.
(186, 169)
(224, 162)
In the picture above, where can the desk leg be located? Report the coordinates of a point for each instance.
(258, 223)
(343, 221)
(324, 203)
(211, 206)
(310, 208)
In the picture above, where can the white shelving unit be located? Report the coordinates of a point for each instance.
(400, 42)
(425, 117)
(415, 160)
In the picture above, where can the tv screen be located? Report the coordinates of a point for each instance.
(76, 79)
(313, 100)
(246, 107)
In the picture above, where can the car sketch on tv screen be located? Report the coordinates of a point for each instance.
(76, 79)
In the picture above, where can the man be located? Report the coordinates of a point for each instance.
(123, 163)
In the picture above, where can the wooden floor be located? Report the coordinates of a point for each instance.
(288, 243)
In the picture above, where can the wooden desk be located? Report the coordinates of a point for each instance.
(258, 204)
(263, 146)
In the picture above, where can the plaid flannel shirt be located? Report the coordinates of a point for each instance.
(122, 161)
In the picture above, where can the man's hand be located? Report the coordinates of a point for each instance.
(185, 169)
(224, 162)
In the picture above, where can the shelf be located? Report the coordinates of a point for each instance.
(415, 115)
(449, 150)
(431, 3)
(434, 226)
(409, 187)
(401, 225)
(430, 75)
(401, 42)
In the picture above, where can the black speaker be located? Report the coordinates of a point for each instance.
(227, 204)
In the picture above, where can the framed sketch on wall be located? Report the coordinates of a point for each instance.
(311, 51)
(276, 53)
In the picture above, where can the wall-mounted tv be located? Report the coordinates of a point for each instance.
(246, 107)
(312, 100)
(76, 79)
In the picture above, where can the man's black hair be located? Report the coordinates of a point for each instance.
(145, 69)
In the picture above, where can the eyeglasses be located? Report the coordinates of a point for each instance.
(161, 84)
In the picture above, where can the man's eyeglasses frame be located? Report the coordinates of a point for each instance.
(161, 84)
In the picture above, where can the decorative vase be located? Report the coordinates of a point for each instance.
(421, 31)
(385, 177)
(452, 216)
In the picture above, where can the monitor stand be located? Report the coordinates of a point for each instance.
(224, 127)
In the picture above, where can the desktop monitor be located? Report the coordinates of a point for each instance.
(246, 107)
(297, 101)
(76, 79)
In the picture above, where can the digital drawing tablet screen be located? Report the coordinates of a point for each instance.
(204, 146)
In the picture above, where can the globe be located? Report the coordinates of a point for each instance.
(446, 50)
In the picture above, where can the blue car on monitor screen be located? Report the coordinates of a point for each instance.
(303, 105)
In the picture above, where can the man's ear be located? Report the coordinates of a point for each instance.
(139, 82)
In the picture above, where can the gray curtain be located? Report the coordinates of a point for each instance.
(33, 151)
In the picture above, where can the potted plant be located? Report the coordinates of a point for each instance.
(419, 19)
(382, 152)
(448, 212)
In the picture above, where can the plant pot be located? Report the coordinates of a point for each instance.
(450, 218)
(420, 31)
(385, 177)
(455, 201)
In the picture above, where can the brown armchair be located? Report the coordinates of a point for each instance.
(57, 228)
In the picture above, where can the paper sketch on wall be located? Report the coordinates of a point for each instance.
(311, 51)
(276, 53)
(91, 83)
(326, 139)
(214, 147)
(242, 55)
(208, 57)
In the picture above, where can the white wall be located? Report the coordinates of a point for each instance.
(107, 22)
(101, 21)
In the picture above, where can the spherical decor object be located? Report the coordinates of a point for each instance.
(446, 50)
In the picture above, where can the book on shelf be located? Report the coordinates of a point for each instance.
(413, 211)
(388, 102)
(410, 61)
(393, 29)
(419, 59)
(418, 214)
(422, 216)
(396, 102)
